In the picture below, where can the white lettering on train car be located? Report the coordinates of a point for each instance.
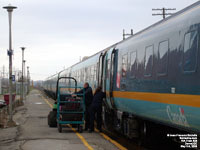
(177, 118)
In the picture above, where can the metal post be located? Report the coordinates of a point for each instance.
(25, 71)
(127, 34)
(27, 79)
(131, 31)
(123, 34)
(10, 53)
(24, 93)
(163, 13)
(22, 81)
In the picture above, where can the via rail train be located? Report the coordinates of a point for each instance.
(152, 76)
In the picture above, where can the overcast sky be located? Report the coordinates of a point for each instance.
(57, 32)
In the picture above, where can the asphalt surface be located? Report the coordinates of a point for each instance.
(33, 132)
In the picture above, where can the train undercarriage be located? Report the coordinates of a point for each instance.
(143, 131)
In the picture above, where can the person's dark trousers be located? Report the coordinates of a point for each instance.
(99, 117)
(92, 117)
(98, 111)
(87, 118)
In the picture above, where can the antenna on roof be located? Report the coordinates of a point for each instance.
(164, 14)
(127, 34)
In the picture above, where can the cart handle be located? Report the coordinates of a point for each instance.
(65, 78)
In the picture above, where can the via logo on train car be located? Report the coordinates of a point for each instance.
(177, 117)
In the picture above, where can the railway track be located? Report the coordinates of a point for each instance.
(156, 139)
(130, 144)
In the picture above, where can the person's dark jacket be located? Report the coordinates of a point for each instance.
(98, 98)
(88, 95)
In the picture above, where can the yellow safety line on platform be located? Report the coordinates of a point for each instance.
(80, 136)
(82, 139)
(47, 102)
(112, 141)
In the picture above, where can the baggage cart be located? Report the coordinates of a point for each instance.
(70, 110)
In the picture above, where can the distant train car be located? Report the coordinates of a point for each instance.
(49, 85)
(152, 76)
(84, 71)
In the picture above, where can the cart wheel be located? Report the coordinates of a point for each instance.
(59, 128)
(80, 128)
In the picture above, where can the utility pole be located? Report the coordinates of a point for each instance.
(10, 53)
(127, 34)
(164, 14)
(22, 80)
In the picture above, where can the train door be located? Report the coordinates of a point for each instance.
(100, 69)
(113, 75)
(110, 66)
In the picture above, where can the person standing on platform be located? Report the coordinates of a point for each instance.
(88, 102)
(96, 109)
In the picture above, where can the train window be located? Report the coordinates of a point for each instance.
(95, 73)
(87, 72)
(124, 64)
(108, 68)
(74, 74)
(92, 73)
(78, 76)
(133, 63)
(163, 57)
(148, 61)
(190, 51)
(85, 75)
(82, 75)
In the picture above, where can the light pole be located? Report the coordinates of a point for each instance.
(22, 87)
(24, 90)
(10, 53)
(25, 71)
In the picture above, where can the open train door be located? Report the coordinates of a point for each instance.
(100, 66)
(109, 76)
(113, 75)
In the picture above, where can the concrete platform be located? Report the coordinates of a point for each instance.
(33, 132)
